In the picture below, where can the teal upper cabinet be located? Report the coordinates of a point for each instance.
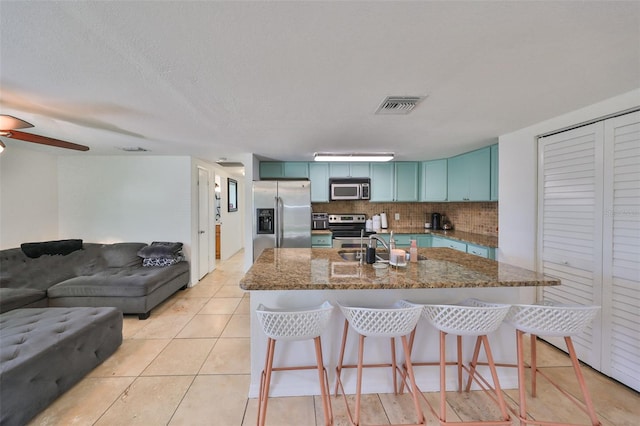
(382, 181)
(494, 172)
(296, 169)
(394, 181)
(278, 169)
(469, 176)
(271, 169)
(340, 169)
(406, 181)
(319, 177)
(434, 180)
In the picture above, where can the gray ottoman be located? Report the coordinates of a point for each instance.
(45, 351)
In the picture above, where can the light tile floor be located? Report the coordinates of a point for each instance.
(188, 364)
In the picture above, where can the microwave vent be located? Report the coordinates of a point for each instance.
(398, 104)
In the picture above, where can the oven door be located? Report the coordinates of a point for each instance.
(345, 191)
(349, 242)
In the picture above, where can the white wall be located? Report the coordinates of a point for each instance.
(251, 172)
(28, 197)
(517, 208)
(116, 198)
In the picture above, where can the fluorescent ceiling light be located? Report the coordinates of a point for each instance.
(354, 156)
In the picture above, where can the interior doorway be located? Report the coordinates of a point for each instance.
(203, 222)
(218, 214)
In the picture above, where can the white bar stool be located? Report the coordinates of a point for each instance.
(396, 321)
(549, 319)
(290, 325)
(471, 317)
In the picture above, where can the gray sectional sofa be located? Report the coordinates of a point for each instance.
(89, 274)
(61, 307)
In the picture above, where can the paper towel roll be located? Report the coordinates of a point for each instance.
(383, 221)
(376, 223)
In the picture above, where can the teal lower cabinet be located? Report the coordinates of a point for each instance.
(437, 241)
(423, 240)
(321, 241)
(482, 251)
(404, 240)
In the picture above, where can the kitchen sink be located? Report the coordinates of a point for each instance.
(350, 255)
(381, 256)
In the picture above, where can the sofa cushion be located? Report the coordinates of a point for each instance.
(62, 247)
(160, 250)
(13, 298)
(122, 255)
(112, 282)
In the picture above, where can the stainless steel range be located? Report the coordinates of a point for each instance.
(347, 229)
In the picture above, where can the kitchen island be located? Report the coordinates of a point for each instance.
(295, 278)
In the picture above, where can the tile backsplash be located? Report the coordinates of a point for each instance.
(479, 218)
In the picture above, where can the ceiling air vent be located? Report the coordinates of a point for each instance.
(398, 104)
(134, 149)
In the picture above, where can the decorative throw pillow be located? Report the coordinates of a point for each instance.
(62, 247)
(160, 249)
(162, 261)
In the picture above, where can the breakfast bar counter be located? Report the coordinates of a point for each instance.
(321, 268)
(290, 278)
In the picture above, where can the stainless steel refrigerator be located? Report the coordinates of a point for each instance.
(281, 214)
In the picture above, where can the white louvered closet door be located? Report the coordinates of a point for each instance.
(589, 236)
(570, 233)
(621, 254)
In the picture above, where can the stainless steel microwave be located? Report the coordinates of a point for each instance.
(349, 189)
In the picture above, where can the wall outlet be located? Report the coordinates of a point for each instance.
(397, 216)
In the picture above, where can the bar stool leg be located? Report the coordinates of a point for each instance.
(324, 383)
(521, 382)
(583, 386)
(359, 379)
(394, 365)
(494, 375)
(443, 379)
(341, 359)
(534, 365)
(412, 379)
(265, 383)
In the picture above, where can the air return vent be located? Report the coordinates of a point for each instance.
(398, 104)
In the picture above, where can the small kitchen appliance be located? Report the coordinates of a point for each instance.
(349, 189)
(319, 221)
(436, 221)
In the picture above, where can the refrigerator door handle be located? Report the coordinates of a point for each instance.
(280, 215)
(276, 220)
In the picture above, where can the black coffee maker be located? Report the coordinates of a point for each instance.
(436, 221)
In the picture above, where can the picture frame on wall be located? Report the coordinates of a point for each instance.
(232, 190)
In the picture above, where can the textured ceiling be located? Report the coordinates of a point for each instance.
(285, 79)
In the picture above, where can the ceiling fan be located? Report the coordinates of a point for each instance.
(9, 124)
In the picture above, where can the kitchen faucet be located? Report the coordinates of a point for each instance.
(382, 241)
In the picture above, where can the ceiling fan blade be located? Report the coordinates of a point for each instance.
(9, 122)
(44, 140)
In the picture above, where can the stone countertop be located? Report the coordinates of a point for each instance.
(323, 268)
(465, 237)
(320, 232)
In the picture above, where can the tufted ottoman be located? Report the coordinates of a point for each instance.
(45, 351)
